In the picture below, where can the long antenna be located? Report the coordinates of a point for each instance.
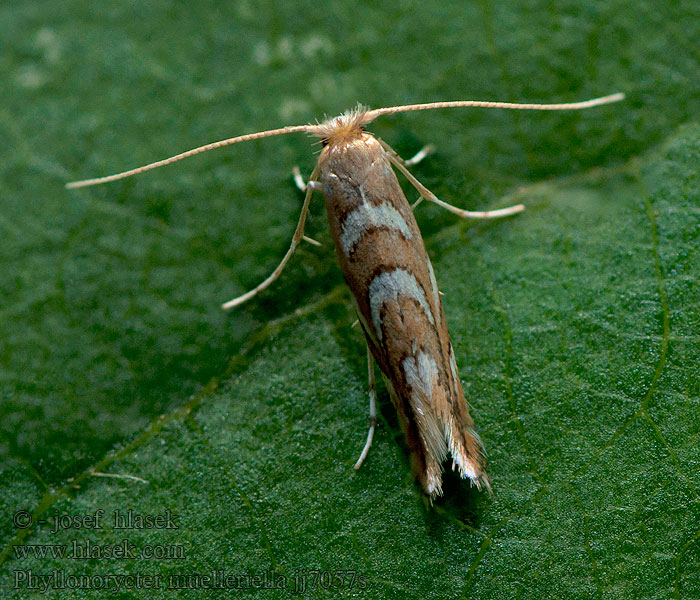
(367, 117)
(372, 114)
(166, 161)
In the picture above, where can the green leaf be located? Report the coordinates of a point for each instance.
(575, 325)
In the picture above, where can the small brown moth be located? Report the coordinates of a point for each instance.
(386, 266)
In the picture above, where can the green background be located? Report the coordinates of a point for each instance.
(575, 324)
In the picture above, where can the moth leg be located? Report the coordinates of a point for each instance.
(311, 241)
(426, 194)
(417, 202)
(372, 410)
(299, 181)
(420, 155)
(298, 235)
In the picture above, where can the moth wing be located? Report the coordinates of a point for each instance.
(443, 422)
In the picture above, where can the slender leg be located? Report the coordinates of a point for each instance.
(298, 234)
(299, 180)
(422, 153)
(428, 195)
(372, 410)
(311, 241)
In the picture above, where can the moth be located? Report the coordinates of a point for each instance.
(394, 289)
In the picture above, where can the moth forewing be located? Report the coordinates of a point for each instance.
(388, 271)
(387, 268)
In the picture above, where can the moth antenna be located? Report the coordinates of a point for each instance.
(373, 114)
(367, 117)
(212, 146)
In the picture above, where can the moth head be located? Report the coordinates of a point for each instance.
(347, 126)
